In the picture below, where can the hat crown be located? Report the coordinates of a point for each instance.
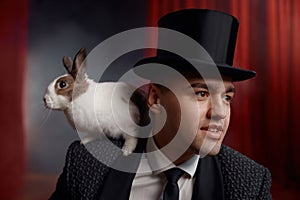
(196, 41)
(215, 31)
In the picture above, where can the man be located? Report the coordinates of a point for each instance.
(191, 113)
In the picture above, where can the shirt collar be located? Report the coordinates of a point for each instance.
(159, 162)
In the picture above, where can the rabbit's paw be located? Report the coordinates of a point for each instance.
(129, 146)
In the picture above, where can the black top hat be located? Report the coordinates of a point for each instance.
(216, 33)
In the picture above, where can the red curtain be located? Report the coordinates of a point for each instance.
(13, 45)
(264, 122)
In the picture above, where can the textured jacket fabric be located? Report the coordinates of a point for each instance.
(83, 176)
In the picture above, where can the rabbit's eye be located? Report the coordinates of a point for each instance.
(62, 85)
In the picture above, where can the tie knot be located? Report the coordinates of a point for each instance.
(173, 175)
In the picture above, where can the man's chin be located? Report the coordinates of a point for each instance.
(215, 150)
(208, 150)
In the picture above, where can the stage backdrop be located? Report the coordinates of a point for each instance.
(13, 47)
(264, 122)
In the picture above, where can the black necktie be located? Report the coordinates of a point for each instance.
(171, 191)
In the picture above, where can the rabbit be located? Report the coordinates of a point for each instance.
(72, 93)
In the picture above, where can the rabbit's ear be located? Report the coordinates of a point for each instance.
(68, 63)
(78, 68)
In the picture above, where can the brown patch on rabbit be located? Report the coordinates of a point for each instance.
(67, 87)
(64, 86)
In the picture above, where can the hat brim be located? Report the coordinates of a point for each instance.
(186, 65)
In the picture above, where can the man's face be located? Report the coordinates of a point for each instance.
(203, 108)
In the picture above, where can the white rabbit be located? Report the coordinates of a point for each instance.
(94, 108)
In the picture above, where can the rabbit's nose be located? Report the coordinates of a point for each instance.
(45, 99)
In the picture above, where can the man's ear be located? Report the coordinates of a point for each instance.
(153, 100)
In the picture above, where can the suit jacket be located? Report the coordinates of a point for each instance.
(229, 175)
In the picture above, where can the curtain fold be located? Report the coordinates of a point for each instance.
(13, 40)
(264, 123)
(283, 72)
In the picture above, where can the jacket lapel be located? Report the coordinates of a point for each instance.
(209, 182)
(117, 184)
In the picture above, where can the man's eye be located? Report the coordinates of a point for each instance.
(228, 98)
(202, 94)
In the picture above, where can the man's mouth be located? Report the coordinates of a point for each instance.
(213, 131)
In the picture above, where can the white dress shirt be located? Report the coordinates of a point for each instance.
(150, 180)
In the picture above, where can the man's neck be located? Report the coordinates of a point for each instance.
(183, 158)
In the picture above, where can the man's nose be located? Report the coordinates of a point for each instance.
(217, 109)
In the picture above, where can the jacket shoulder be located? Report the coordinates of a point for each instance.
(86, 167)
(243, 177)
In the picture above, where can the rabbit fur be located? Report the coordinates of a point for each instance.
(94, 109)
